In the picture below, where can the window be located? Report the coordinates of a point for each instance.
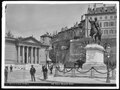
(111, 17)
(105, 17)
(100, 17)
(90, 17)
(100, 24)
(111, 23)
(102, 31)
(112, 31)
(95, 17)
(115, 23)
(105, 31)
(105, 24)
(115, 17)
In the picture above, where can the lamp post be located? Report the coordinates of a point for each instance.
(56, 72)
(108, 49)
(46, 52)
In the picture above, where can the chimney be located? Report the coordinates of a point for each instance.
(104, 6)
(95, 6)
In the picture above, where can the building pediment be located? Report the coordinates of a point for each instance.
(31, 40)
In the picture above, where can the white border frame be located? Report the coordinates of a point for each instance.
(57, 2)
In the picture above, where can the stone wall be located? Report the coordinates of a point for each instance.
(10, 53)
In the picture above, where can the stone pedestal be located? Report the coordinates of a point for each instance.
(94, 57)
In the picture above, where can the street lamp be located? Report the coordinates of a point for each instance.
(108, 49)
(46, 52)
(56, 72)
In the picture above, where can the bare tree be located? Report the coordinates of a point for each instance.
(9, 34)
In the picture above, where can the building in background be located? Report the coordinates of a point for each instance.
(46, 39)
(61, 41)
(106, 16)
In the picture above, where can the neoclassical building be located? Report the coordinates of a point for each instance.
(24, 51)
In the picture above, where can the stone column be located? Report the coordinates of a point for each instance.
(23, 55)
(38, 55)
(92, 73)
(18, 55)
(31, 55)
(27, 54)
(35, 55)
(73, 72)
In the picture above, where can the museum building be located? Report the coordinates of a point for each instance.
(24, 51)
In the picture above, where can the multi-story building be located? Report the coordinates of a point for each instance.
(77, 31)
(61, 41)
(106, 16)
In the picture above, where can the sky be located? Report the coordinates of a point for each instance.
(36, 19)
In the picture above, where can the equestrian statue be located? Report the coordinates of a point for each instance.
(95, 31)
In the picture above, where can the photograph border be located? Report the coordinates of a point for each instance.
(4, 3)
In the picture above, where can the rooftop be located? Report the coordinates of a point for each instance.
(100, 10)
(46, 35)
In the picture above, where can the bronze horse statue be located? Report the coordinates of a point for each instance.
(95, 31)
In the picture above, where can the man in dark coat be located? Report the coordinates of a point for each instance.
(32, 72)
(51, 68)
(44, 69)
(6, 74)
(46, 72)
(11, 68)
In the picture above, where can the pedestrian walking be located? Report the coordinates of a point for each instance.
(11, 68)
(46, 72)
(43, 70)
(6, 73)
(32, 72)
(51, 68)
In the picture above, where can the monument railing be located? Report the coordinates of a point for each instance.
(95, 70)
(66, 71)
(101, 72)
(84, 71)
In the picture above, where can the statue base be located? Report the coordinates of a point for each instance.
(94, 57)
(98, 66)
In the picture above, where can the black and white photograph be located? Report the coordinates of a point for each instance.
(60, 44)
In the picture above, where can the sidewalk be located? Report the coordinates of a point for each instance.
(77, 80)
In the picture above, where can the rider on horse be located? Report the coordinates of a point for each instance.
(95, 29)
